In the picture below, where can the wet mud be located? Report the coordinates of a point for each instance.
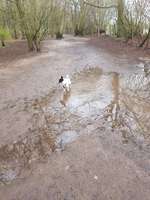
(59, 118)
(92, 142)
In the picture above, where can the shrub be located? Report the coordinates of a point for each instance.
(4, 35)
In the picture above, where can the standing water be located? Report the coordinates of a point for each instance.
(120, 101)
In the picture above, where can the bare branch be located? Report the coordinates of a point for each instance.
(148, 17)
(101, 7)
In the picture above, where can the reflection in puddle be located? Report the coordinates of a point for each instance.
(114, 107)
(123, 100)
(65, 98)
(130, 106)
(91, 92)
(67, 137)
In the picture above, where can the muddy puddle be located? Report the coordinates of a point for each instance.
(120, 101)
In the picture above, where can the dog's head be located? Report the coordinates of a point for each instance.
(61, 79)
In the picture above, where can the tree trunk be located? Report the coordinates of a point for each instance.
(78, 31)
(59, 35)
(98, 31)
(15, 34)
(3, 43)
(120, 10)
(30, 44)
(37, 45)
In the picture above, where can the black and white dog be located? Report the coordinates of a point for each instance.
(65, 82)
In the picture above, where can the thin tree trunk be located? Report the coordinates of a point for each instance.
(37, 45)
(15, 33)
(30, 44)
(120, 9)
(98, 31)
(3, 43)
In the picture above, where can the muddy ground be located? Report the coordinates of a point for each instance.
(92, 143)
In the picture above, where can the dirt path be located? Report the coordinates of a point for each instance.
(90, 144)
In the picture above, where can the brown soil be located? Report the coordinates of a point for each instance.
(119, 46)
(14, 51)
